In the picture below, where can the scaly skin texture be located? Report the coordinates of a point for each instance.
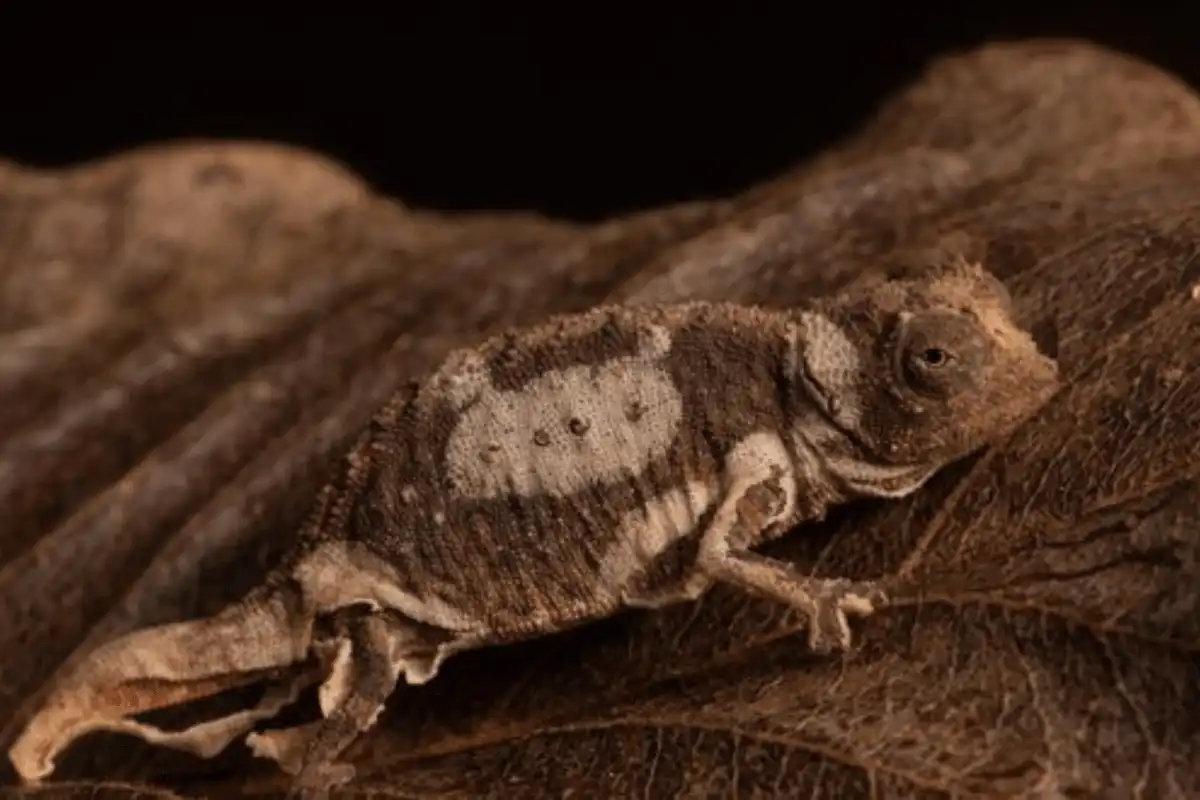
(557, 474)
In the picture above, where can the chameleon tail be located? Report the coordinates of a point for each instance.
(166, 665)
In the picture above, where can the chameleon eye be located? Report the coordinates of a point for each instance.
(927, 369)
(934, 357)
(940, 352)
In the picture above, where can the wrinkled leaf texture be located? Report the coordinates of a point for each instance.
(189, 335)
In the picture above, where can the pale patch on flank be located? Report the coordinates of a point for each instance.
(646, 533)
(567, 429)
(832, 361)
(340, 574)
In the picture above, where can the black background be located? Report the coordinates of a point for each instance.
(583, 111)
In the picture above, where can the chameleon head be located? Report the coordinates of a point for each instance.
(925, 366)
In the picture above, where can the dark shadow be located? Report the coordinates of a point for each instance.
(585, 111)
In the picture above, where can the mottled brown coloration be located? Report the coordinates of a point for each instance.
(1042, 630)
(511, 495)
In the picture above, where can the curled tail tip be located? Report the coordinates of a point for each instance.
(54, 726)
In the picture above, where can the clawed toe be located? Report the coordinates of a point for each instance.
(861, 598)
(829, 627)
(829, 630)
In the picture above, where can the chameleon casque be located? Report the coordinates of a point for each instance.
(622, 457)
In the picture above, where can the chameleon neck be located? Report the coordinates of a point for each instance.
(836, 466)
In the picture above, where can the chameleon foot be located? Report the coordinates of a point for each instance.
(832, 601)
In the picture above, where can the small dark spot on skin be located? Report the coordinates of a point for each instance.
(610, 329)
(541, 438)
(488, 454)
(578, 426)
(510, 352)
(635, 411)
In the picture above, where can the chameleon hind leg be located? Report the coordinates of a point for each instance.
(372, 650)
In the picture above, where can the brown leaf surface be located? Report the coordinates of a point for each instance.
(191, 334)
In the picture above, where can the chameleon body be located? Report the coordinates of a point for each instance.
(623, 457)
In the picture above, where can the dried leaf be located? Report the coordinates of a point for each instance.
(85, 790)
(1046, 635)
(154, 488)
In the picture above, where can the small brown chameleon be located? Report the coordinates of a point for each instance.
(622, 457)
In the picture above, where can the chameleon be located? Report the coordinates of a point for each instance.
(620, 458)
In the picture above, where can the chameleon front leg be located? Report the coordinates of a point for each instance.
(761, 494)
